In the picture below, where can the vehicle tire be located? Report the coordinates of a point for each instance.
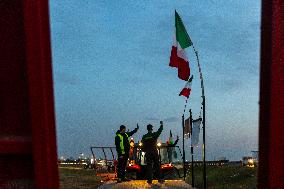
(131, 175)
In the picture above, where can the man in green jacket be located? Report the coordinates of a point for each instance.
(149, 146)
(122, 149)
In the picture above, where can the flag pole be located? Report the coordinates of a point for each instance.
(203, 118)
(183, 151)
(191, 147)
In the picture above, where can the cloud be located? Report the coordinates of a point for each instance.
(168, 119)
(224, 84)
(151, 119)
(66, 78)
(230, 84)
(171, 119)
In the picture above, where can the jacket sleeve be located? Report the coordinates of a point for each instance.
(157, 133)
(175, 142)
(132, 132)
(117, 145)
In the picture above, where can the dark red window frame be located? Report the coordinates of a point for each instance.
(271, 104)
(28, 153)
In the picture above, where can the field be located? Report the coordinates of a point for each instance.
(78, 179)
(217, 178)
(226, 177)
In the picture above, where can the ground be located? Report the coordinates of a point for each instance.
(217, 178)
(71, 178)
(137, 184)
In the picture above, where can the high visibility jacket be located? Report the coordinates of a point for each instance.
(122, 142)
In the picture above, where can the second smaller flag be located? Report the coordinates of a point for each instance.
(187, 88)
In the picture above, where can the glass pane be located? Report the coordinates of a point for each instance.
(127, 62)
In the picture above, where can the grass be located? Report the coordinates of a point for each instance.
(226, 177)
(78, 179)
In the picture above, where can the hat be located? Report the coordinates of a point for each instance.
(149, 127)
(122, 127)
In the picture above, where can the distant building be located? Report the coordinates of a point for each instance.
(222, 158)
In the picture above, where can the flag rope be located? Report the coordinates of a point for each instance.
(185, 105)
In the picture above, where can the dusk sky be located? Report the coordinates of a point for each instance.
(110, 67)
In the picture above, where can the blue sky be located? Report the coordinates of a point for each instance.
(110, 67)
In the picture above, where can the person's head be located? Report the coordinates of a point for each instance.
(131, 142)
(150, 128)
(122, 128)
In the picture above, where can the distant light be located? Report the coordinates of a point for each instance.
(250, 161)
(140, 144)
(159, 144)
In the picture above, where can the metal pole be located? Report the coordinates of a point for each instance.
(204, 158)
(192, 169)
(203, 118)
(183, 151)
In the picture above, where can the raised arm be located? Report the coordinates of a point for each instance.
(176, 141)
(158, 133)
(134, 131)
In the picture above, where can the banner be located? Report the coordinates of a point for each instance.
(195, 132)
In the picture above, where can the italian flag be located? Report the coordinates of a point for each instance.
(178, 57)
(187, 88)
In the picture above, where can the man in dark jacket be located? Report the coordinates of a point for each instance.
(122, 149)
(149, 146)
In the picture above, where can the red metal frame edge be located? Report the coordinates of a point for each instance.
(265, 88)
(271, 111)
(41, 97)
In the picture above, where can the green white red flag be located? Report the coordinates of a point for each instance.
(178, 57)
(187, 88)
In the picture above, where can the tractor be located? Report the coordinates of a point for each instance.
(105, 162)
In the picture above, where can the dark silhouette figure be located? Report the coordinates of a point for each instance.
(149, 146)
